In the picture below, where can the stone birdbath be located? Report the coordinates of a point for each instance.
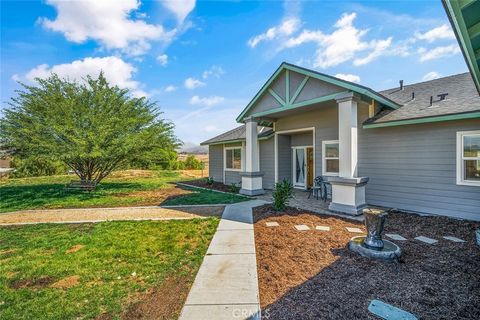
(372, 245)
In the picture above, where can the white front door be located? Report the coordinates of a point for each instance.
(299, 166)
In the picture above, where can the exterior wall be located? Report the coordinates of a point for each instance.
(284, 158)
(232, 177)
(215, 162)
(302, 139)
(413, 168)
(267, 162)
(325, 121)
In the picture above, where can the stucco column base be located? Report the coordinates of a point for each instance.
(348, 195)
(252, 183)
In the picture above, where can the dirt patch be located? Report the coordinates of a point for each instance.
(311, 274)
(67, 282)
(7, 252)
(164, 302)
(203, 184)
(37, 283)
(132, 174)
(75, 248)
(155, 197)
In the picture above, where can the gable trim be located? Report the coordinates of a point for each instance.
(450, 117)
(317, 75)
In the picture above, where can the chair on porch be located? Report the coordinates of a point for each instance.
(321, 189)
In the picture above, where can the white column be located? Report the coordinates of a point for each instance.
(347, 136)
(251, 177)
(348, 190)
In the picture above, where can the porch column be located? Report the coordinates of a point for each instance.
(348, 190)
(251, 177)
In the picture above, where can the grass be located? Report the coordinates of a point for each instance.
(129, 188)
(119, 260)
(201, 196)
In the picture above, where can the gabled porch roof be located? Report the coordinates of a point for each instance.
(288, 100)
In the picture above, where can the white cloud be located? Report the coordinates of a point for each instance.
(438, 52)
(163, 59)
(348, 77)
(192, 83)
(212, 129)
(181, 8)
(116, 71)
(214, 71)
(108, 22)
(206, 101)
(342, 45)
(431, 75)
(170, 88)
(286, 28)
(442, 32)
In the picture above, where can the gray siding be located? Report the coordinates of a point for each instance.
(267, 162)
(215, 162)
(232, 177)
(284, 158)
(413, 168)
(302, 139)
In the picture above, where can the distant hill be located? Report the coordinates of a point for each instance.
(192, 148)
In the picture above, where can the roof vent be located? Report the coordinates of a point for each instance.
(401, 84)
(413, 95)
(442, 96)
(431, 101)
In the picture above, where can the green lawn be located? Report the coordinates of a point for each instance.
(151, 188)
(201, 196)
(119, 260)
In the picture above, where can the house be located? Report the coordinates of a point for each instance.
(415, 147)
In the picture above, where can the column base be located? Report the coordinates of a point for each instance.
(348, 195)
(252, 184)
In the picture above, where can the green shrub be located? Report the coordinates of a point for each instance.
(37, 166)
(209, 181)
(234, 188)
(192, 163)
(281, 194)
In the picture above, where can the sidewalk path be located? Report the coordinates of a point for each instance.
(226, 286)
(107, 214)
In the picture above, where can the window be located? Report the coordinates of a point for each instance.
(330, 158)
(468, 158)
(233, 159)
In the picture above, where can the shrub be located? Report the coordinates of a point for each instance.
(192, 163)
(281, 194)
(234, 188)
(37, 166)
(209, 181)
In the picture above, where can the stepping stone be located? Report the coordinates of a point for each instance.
(389, 312)
(272, 224)
(426, 240)
(322, 228)
(454, 239)
(354, 230)
(395, 236)
(302, 227)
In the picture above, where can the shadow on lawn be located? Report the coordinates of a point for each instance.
(330, 282)
(18, 197)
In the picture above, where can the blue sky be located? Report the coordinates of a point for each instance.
(202, 61)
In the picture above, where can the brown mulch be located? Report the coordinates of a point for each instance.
(66, 283)
(164, 302)
(202, 183)
(311, 274)
(37, 283)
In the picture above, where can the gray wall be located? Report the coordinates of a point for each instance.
(413, 168)
(267, 162)
(215, 162)
(302, 139)
(284, 158)
(232, 177)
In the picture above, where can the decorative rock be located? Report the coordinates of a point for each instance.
(454, 239)
(389, 312)
(389, 252)
(302, 227)
(426, 240)
(272, 224)
(322, 228)
(395, 236)
(354, 230)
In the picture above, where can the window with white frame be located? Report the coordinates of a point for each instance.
(233, 158)
(468, 158)
(330, 158)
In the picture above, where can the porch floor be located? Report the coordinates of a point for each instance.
(300, 200)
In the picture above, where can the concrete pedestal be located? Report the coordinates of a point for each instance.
(348, 195)
(252, 184)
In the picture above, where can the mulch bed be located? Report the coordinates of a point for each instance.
(215, 186)
(311, 274)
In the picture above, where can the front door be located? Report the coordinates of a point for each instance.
(299, 166)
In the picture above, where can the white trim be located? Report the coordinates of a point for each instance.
(306, 129)
(461, 159)
(294, 167)
(324, 159)
(225, 149)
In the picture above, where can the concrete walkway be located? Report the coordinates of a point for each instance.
(226, 286)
